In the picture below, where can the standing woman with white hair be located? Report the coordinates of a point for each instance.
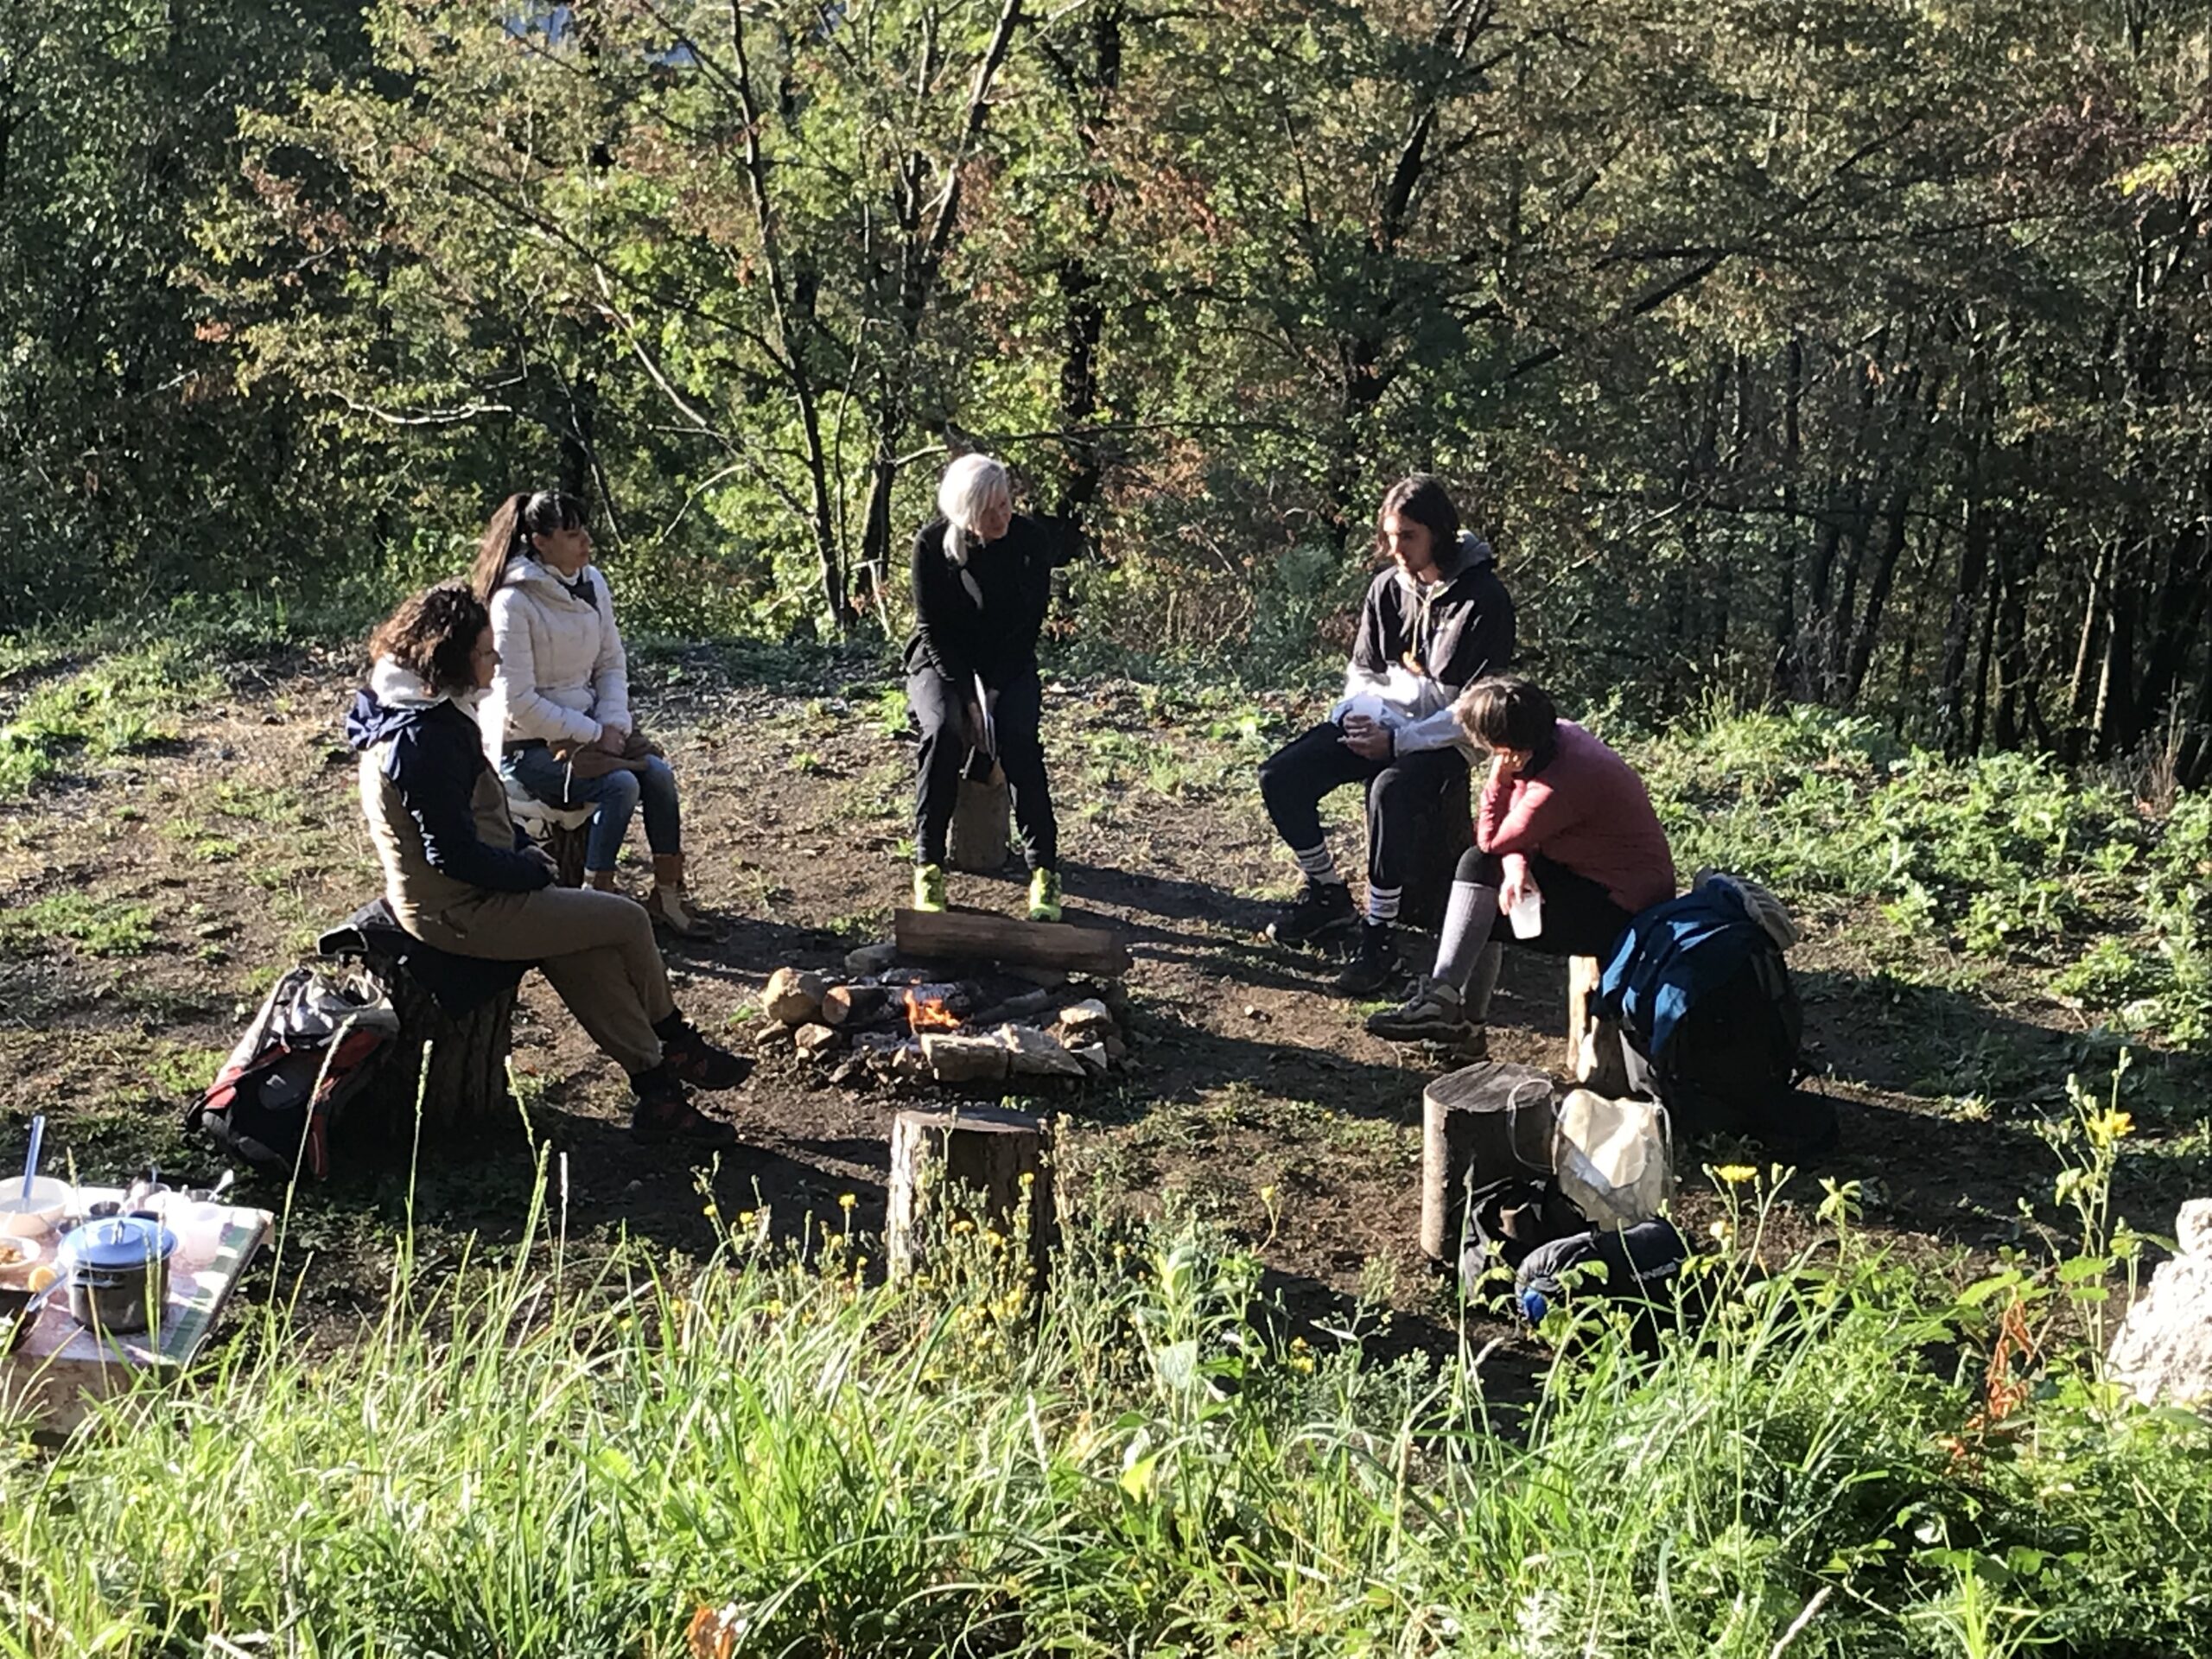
(982, 582)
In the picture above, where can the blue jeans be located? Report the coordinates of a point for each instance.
(617, 795)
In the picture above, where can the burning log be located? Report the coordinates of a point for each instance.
(849, 1005)
(985, 1164)
(870, 960)
(934, 1005)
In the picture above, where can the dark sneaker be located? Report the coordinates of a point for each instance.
(1323, 908)
(663, 1115)
(1377, 967)
(699, 1063)
(1431, 1014)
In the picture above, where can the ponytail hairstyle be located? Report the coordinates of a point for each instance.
(1507, 712)
(433, 636)
(521, 516)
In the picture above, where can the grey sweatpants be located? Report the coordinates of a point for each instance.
(596, 949)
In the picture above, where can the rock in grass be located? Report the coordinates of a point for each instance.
(793, 996)
(2163, 1348)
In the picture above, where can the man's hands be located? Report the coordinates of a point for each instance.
(614, 739)
(1368, 739)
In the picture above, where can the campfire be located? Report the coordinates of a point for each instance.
(885, 1022)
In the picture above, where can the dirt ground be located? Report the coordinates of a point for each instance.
(151, 902)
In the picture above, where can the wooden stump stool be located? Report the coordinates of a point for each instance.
(1492, 1118)
(980, 819)
(984, 1162)
(1594, 1055)
(567, 843)
(465, 1089)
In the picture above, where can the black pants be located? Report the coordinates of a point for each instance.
(1580, 918)
(936, 704)
(1295, 776)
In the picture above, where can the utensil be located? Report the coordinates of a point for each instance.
(30, 1157)
(118, 1272)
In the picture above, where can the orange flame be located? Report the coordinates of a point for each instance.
(926, 1012)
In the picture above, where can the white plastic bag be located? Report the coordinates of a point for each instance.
(1614, 1158)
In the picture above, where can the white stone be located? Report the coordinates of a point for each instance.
(1031, 1053)
(2163, 1348)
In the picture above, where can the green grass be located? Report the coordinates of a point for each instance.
(96, 926)
(124, 704)
(551, 1457)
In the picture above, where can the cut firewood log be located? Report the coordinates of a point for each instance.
(971, 936)
(1017, 1007)
(870, 960)
(1492, 1119)
(983, 1163)
(955, 1058)
(846, 1005)
(793, 996)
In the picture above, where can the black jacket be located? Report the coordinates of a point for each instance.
(1453, 631)
(993, 629)
(435, 755)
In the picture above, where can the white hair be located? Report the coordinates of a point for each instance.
(971, 486)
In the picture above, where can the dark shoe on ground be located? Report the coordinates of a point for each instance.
(1323, 908)
(662, 1116)
(1377, 967)
(1431, 1014)
(699, 1063)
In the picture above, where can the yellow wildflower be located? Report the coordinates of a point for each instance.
(847, 1200)
(1736, 1175)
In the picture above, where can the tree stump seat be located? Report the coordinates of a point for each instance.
(1441, 833)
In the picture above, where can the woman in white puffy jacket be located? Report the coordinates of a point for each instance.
(557, 722)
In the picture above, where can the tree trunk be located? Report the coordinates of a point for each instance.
(989, 1166)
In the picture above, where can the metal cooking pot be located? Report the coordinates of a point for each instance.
(117, 1271)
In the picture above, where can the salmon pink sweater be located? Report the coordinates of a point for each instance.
(1585, 809)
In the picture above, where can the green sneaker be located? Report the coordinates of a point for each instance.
(1044, 895)
(928, 887)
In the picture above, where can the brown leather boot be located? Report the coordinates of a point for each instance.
(667, 905)
(602, 881)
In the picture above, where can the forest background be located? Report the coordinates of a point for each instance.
(1842, 351)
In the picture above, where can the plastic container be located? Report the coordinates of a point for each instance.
(1528, 916)
(41, 1213)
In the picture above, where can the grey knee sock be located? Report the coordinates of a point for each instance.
(1467, 922)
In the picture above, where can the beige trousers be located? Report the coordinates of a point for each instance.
(596, 949)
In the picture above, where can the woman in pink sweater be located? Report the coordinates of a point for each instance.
(1562, 817)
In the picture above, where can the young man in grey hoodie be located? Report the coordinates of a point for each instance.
(1436, 620)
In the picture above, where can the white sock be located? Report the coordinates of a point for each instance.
(1315, 864)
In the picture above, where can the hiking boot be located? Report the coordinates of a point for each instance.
(695, 1061)
(1044, 895)
(1323, 908)
(929, 887)
(1432, 1014)
(662, 1115)
(669, 905)
(1377, 967)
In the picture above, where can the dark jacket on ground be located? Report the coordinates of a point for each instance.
(435, 808)
(983, 617)
(1420, 643)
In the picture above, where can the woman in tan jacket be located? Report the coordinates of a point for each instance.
(459, 879)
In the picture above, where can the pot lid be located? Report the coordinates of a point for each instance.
(118, 1242)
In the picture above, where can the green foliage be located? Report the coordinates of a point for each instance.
(777, 1455)
(2007, 857)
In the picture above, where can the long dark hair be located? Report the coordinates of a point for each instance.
(1423, 498)
(521, 516)
(1507, 712)
(433, 635)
